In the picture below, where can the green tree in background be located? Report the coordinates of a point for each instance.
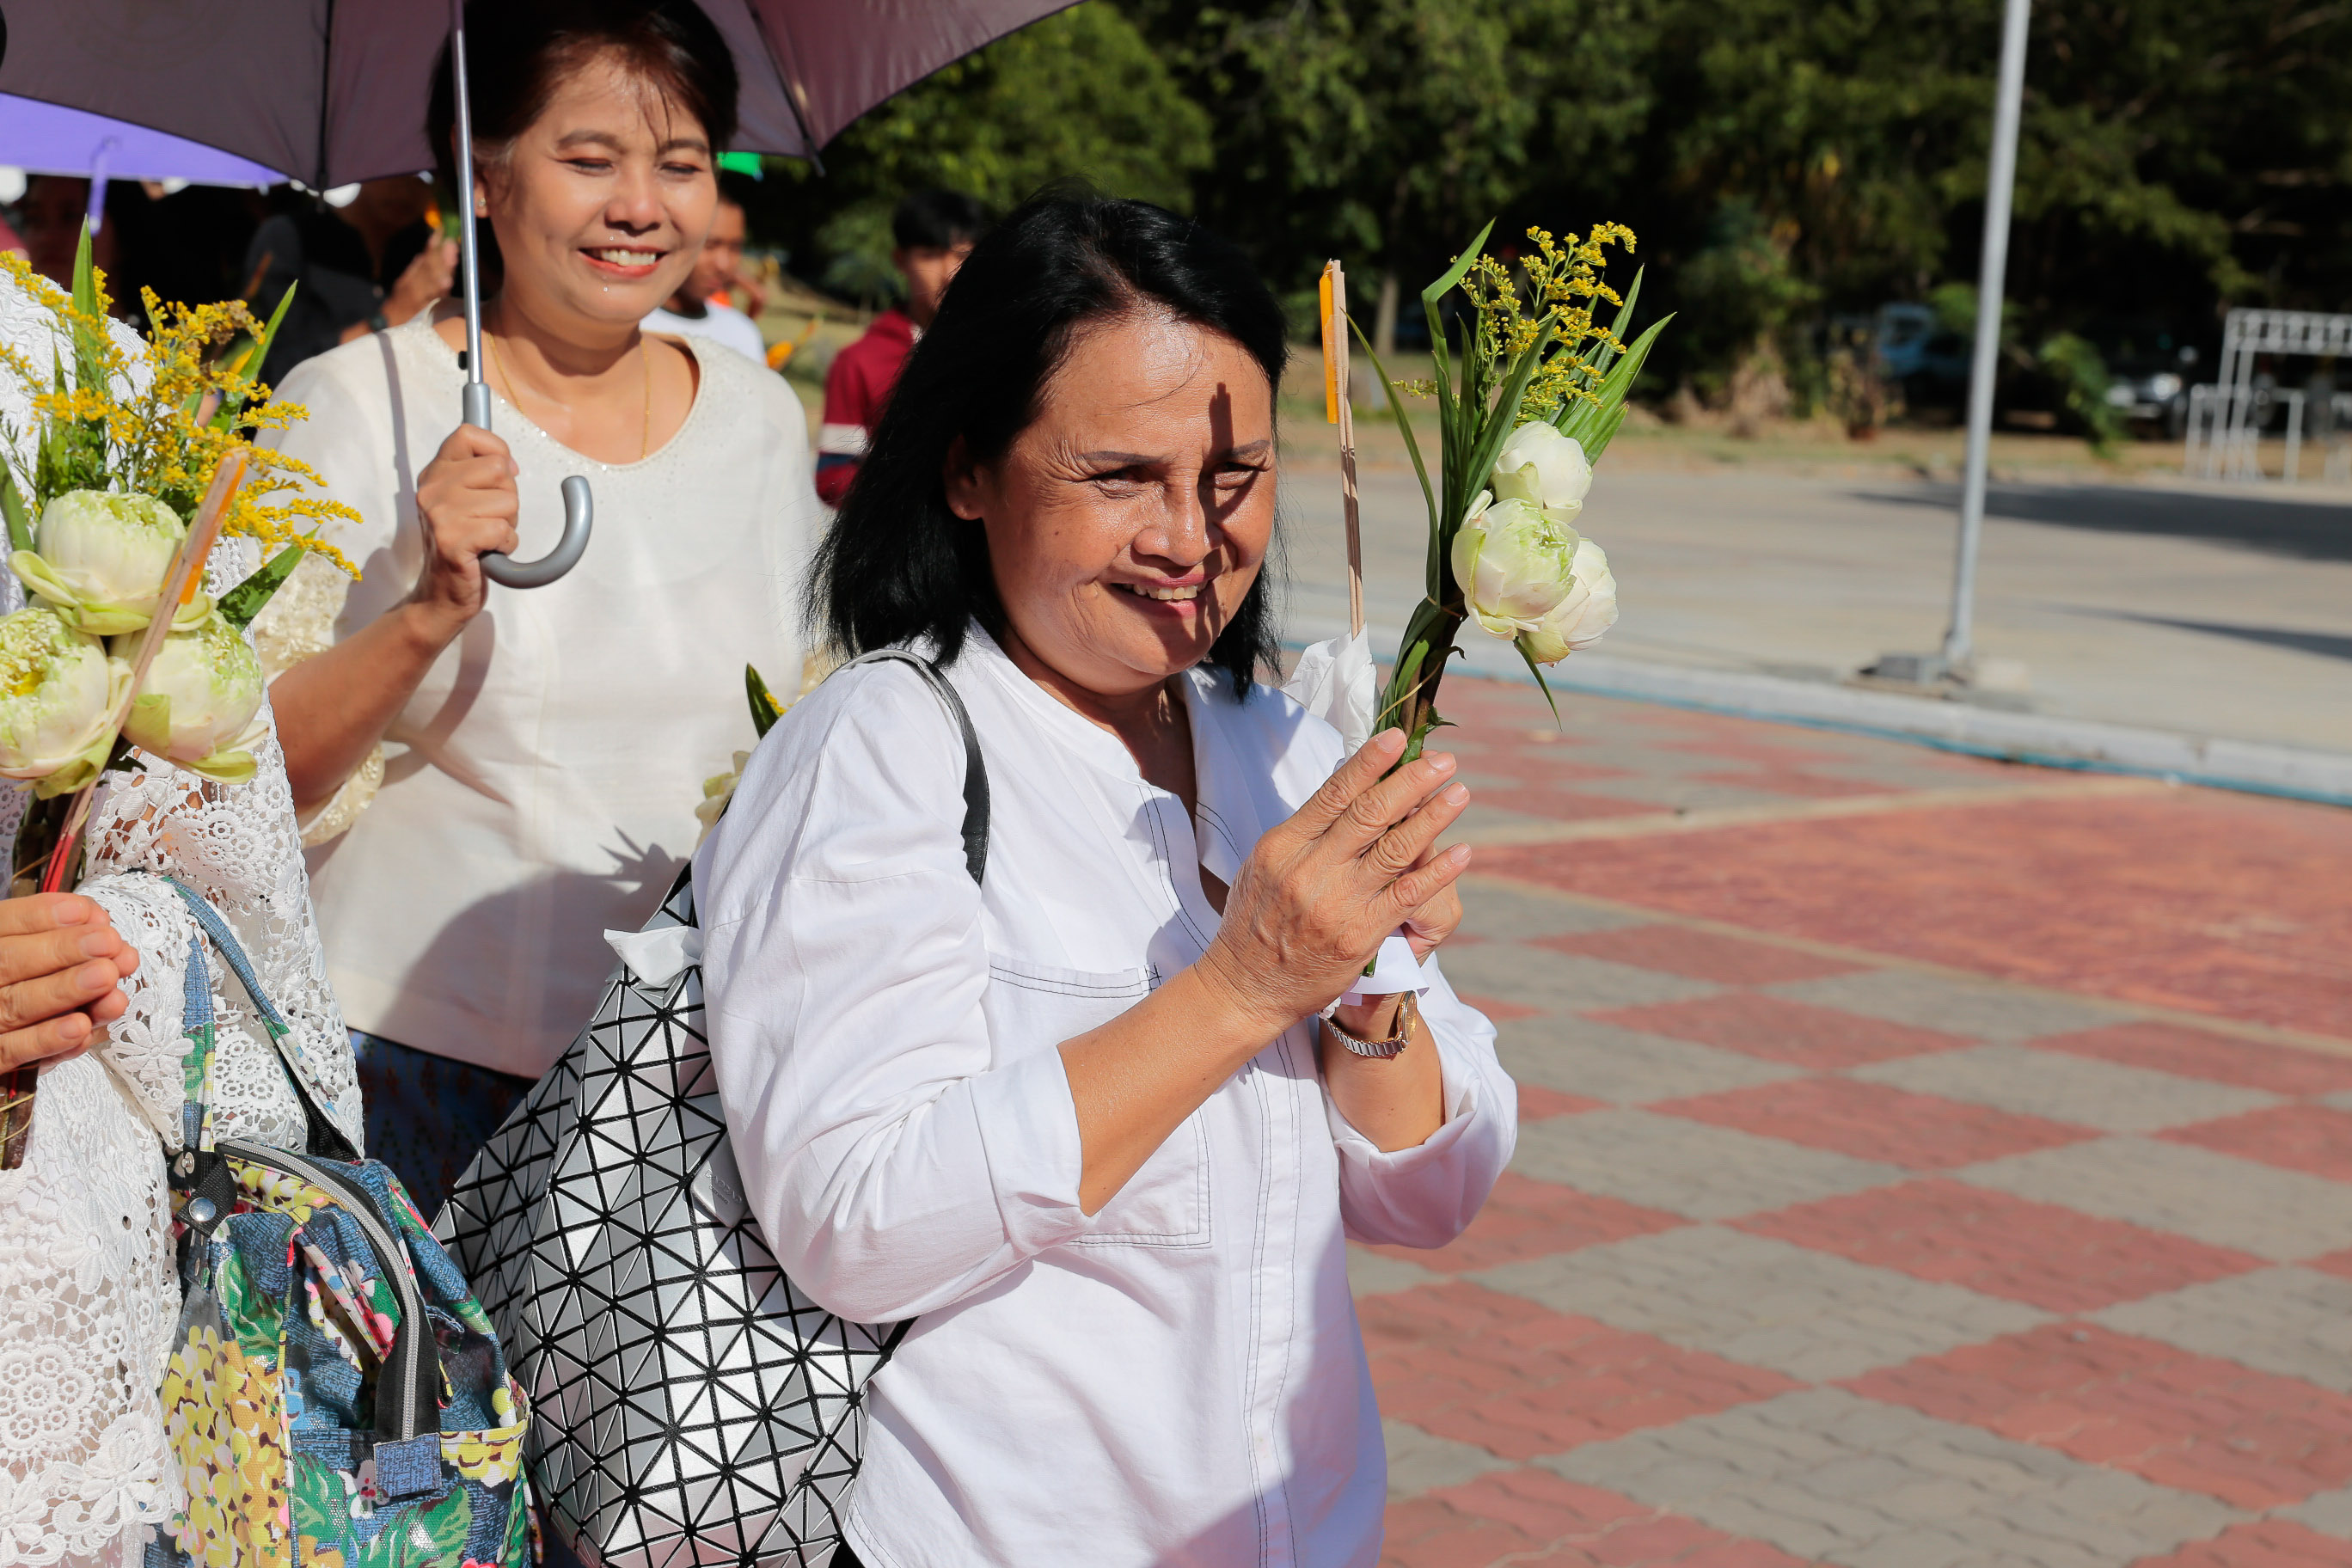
(1782, 161)
(1079, 94)
(1387, 131)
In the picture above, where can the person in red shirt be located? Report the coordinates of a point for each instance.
(933, 232)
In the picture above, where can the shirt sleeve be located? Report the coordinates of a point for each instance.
(848, 422)
(346, 439)
(895, 1162)
(1428, 1195)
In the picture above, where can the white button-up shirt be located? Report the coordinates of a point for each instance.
(1178, 1379)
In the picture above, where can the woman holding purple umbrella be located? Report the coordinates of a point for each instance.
(490, 778)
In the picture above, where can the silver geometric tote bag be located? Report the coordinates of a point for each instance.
(690, 1406)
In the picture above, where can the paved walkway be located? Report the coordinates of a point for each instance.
(1925, 1163)
(2213, 610)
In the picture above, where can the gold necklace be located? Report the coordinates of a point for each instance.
(645, 425)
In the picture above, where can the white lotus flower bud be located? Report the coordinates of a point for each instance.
(1577, 622)
(1545, 469)
(197, 705)
(718, 791)
(1513, 564)
(58, 691)
(102, 557)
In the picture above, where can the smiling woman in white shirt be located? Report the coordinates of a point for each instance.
(488, 778)
(1080, 1120)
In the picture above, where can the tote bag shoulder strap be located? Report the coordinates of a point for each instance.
(975, 771)
(324, 1138)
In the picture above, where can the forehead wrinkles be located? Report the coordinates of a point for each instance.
(1181, 346)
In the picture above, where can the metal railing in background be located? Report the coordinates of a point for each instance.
(2223, 440)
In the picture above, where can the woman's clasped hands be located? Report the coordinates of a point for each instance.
(1317, 895)
(62, 964)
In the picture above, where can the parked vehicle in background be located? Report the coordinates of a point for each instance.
(1918, 352)
(2152, 365)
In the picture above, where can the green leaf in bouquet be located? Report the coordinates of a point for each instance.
(12, 505)
(1412, 442)
(241, 604)
(1501, 419)
(1402, 683)
(766, 709)
(1595, 425)
(225, 416)
(1605, 354)
(1451, 399)
(1536, 670)
(89, 360)
(1459, 270)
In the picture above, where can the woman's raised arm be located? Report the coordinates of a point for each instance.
(1311, 905)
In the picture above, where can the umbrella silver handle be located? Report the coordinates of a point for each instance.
(579, 520)
(579, 517)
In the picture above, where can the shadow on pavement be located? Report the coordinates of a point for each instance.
(2311, 530)
(2327, 645)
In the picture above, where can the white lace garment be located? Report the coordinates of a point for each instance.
(88, 1296)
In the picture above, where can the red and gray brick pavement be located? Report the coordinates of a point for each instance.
(1925, 1163)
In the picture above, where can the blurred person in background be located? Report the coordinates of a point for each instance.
(50, 219)
(932, 231)
(701, 306)
(371, 264)
(491, 778)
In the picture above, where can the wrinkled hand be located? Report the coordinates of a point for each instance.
(468, 504)
(1428, 927)
(427, 277)
(61, 966)
(1321, 891)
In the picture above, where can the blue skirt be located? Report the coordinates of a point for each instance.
(427, 1116)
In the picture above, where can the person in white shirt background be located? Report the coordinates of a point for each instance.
(489, 778)
(696, 310)
(1080, 1120)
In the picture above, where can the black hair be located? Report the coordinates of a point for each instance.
(518, 52)
(736, 188)
(935, 220)
(897, 563)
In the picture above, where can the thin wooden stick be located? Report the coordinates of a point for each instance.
(1341, 411)
(179, 587)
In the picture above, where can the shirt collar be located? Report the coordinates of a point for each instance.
(1226, 820)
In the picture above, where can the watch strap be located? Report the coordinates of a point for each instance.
(1392, 1046)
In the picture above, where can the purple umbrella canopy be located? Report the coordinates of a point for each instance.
(49, 139)
(333, 92)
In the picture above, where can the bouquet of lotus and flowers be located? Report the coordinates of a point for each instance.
(1530, 387)
(131, 467)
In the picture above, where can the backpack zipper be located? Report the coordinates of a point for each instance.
(405, 1368)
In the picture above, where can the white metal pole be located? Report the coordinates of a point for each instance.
(2000, 180)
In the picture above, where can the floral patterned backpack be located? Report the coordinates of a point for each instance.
(335, 1396)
